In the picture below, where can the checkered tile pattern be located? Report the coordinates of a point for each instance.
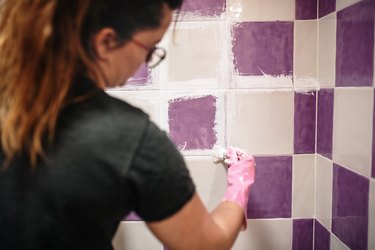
(291, 82)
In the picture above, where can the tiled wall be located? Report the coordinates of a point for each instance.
(290, 81)
(345, 193)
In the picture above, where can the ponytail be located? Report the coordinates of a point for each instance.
(44, 44)
(40, 53)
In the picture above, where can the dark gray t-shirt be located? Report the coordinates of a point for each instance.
(108, 159)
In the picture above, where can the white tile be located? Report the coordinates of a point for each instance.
(352, 128)
(135, 236)
(261, 121)
(267, 10)
(209, 178)
(148, 101)
(337, 244)
(197, 56)
(305, 54)
(303, 186)
(371, 229)
(327, 51)
(265, 234)
(323, 192)
(342, 4)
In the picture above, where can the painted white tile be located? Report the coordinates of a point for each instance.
(197, 56)
(337, 244)
(352, 128)
(135, 236)
(148, 101)
(371, 229)
(209, 179)
(323, 192)
(305, 54)
(261, 121)
(262, 82)
(265, 234)
(327, 51)
(342, 4)
(266, 10)
(303, 186)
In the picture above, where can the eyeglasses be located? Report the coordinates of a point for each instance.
(154, 56)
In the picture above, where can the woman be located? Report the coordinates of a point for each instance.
(76, 161)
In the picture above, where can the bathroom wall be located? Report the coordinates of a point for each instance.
(248, 73)
(345, 163)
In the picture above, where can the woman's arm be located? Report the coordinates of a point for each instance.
(194, 228)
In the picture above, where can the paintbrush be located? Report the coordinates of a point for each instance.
(218, 154)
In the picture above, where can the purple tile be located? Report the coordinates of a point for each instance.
(141, 77)
(355, 45)
(325, 122)
(132, 217)
(303, 234)
(304, 122)
(326, 7)
(271, 194)
(322, 239)
(350, 199)
(192, 122)
(306, 9)
(373, 141)
(263, 48)
(205, 8)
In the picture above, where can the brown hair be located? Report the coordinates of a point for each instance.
(39, 54)
(44, 45)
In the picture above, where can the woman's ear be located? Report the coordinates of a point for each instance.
(104, 41)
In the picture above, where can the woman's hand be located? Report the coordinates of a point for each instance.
(241, 173)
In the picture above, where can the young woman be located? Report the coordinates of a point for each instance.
(75, 161)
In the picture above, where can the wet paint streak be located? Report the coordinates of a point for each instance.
(192, 122)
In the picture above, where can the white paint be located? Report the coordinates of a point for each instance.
(209, 179)
(323, 190)
(305, 54)
(148, 101)
(352, 128)
(327, 51)
(303, 186)
(261, 122)
(263, 82)
(234, 9)
(265, 234)
(197, 56)
(268, 10)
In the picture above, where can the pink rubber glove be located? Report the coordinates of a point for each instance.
(241, 172)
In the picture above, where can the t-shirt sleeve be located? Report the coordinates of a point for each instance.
(160, 179)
